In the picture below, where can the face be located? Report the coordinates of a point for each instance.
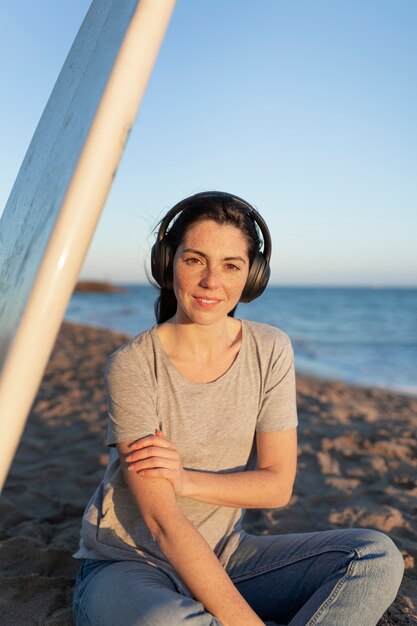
(211, 266)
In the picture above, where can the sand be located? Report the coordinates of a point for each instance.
(357, 468)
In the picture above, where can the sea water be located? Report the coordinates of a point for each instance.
(364, 336)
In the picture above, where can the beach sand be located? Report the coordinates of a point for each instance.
(357, 468)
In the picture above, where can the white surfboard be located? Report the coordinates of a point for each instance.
(61, 188)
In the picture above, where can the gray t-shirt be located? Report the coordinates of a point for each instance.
(212, 424)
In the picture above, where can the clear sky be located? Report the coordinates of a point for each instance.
(306, 108)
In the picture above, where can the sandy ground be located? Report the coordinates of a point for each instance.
(357, 468)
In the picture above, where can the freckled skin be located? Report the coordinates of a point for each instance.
(210, 271)
(211, 263)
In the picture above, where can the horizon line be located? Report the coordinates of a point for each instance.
(318, 285)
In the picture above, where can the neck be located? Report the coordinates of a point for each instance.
(201, 339)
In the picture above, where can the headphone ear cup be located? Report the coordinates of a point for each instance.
(257, 279)
(161, 263)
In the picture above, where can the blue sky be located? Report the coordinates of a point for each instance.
(306, 108)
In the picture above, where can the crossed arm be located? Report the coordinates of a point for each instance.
(152, 467)
(269, 486)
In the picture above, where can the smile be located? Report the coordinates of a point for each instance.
(206, 301)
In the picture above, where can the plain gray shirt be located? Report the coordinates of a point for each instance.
(212, 424)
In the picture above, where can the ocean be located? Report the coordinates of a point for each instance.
(364, 336)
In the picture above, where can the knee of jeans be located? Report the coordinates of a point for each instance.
(383, 558)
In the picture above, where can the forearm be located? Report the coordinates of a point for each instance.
(186, 549)
(201, 571)
(269, 486)
(260, 488)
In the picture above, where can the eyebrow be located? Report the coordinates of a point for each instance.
(228, 258)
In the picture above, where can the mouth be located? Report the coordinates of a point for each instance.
(207, 302)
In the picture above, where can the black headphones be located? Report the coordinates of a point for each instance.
(162, 253)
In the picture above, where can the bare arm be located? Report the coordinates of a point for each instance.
(270, 485)
(185, 548)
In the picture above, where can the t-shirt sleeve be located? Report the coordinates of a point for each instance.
(278, 409)
(131, 402)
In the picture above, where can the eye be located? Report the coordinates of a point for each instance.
(192, 260)
(232, 267)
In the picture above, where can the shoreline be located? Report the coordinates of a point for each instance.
(403, 390)
(357, 468)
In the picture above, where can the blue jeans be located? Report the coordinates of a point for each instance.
(328, 578)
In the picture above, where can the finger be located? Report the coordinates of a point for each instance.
(158, 472)
(142, 441)
(152, 463)
(150, 440)
(152, 451)
(160, 434)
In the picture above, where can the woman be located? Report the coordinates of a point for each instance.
(202, 424)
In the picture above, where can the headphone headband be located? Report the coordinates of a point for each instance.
(162, 254)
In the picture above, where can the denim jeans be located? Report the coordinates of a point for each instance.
(328, 578)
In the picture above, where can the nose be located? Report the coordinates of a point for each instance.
(210, 278)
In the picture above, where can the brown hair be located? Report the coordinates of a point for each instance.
(221, 209)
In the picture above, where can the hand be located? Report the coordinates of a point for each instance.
(156, 457)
